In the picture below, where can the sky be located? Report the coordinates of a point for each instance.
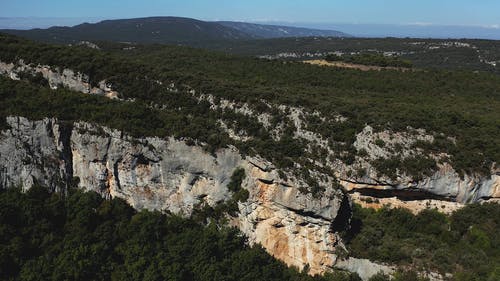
(365, 18)
(423, 12)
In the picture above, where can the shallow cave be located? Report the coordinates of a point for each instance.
(401, 194)
(342, 221)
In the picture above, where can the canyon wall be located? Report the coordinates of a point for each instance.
(168, 175)
(56, 78)
(444, 182)
(171, 176)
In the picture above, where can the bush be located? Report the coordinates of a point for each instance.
(237, 178)
(380, 142)
(380, 277)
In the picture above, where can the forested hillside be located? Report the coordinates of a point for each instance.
(279, 31)
(140, 30)
(465, 54)
(464, 243)
(460, 108)
(162, 30)
(306, 120)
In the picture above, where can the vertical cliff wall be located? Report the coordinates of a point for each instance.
(168, 175)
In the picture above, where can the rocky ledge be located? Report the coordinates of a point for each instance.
(56, 78)
(169, 175)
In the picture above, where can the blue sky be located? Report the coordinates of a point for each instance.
(440, 12)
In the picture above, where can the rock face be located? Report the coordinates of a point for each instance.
(415, 206)
(56, 78)
(445, 183)
(363, 267)
(293, 227)
(32, 152)
(168, 175)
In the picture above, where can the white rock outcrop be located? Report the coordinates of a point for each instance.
(445, 183)
(364, 268)
(169, 175)
(59, 78)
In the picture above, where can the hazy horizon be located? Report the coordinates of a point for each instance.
(399, 18)
(417, 30)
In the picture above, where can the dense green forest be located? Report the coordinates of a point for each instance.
(465, 243)
(80, 236)
(423, 53)
(468, 54)
(459, 104)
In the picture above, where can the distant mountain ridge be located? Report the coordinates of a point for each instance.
(138, 30)
(280, 31)
(165, 30)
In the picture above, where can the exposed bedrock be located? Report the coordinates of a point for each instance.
(169, 175)
(57, 78)
(445, 184)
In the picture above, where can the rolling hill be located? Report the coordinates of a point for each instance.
(280, 31)
(163, 30)
(139, 30)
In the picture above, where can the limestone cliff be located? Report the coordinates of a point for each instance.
(168, 175)
(445, 183)
(172, 176)
(56, 78)
(359, 178)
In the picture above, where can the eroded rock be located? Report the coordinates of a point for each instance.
(169, 175)
(59, 78)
